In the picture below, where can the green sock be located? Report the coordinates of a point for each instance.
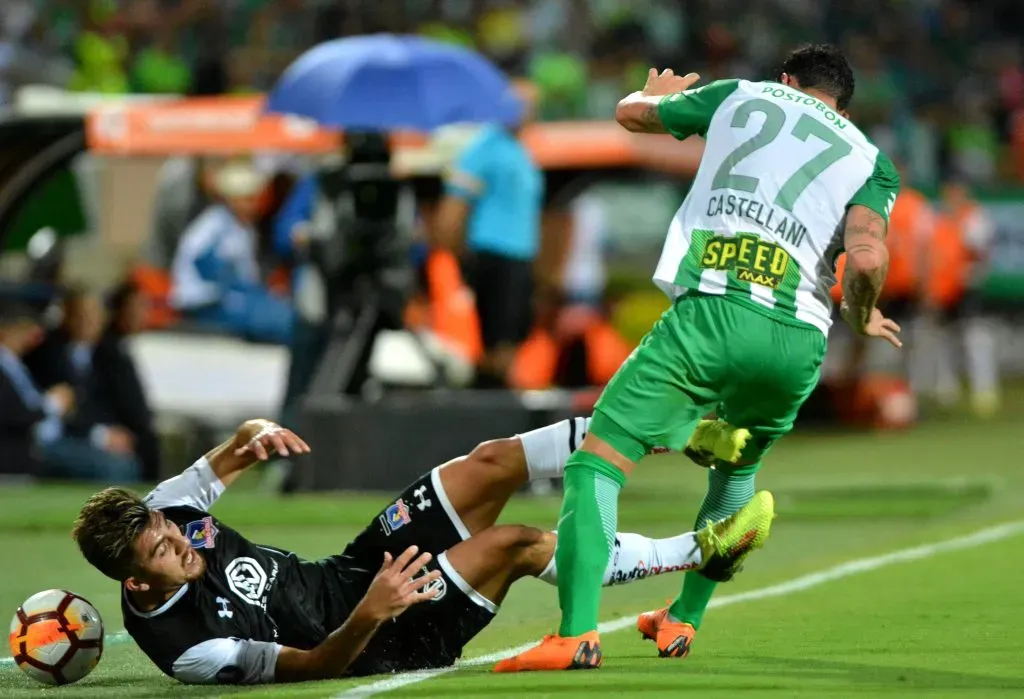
(586, 538)
(727, 493)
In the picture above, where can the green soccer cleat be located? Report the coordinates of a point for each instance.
(716, 440)
(726, 544)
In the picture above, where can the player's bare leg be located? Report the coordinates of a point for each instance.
(480, 484)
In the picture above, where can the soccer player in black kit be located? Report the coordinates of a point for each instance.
(206, 605)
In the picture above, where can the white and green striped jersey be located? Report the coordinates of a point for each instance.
(761, 222)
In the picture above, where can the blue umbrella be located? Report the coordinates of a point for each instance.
(383, 82)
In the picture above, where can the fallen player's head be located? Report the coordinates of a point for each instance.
(822, 68)
(127, 541)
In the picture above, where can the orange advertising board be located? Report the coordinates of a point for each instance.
(214, 125)
(234, 125)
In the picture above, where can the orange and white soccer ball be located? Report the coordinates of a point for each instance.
(56, 637)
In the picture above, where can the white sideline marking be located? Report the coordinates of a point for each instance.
(804, 582)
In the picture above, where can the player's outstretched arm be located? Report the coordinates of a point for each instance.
(867, 263)
(255, 440)
(639, 112)
(203, 482)
(395, 589)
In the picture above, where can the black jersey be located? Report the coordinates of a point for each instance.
(266, 596)
(229, 625)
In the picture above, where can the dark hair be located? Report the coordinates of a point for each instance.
(822, 67)
(106, 530)
(120, 295)
(73, 295)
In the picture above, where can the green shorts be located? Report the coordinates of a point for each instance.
(710, 354)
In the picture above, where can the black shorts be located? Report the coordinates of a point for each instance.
(970, 306)
(902, 309)
(503, 287)
(431, 634)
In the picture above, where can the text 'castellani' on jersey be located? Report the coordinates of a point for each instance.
(786, 227)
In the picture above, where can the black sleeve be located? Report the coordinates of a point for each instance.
(125, 399)
(49, 363)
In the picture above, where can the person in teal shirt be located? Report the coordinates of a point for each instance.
(491, 214)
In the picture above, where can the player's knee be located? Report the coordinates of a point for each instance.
(523, 545)
(503, 456)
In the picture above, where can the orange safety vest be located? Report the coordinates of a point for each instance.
(452, 310)
(910, 214)
(950, 259)
(536, 362)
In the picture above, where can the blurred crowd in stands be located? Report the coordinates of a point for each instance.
(940, 86)
(72, 405)
(939, 82)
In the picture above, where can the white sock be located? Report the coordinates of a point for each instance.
(982, 364)
(636, 557)
(548, 448)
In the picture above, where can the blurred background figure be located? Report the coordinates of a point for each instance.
(491, 216)
(958, 261)
(573, 343)
(84, 444)
(28, 416)
(121, 395)
(181, 196)
(28, 53)
(216, 275)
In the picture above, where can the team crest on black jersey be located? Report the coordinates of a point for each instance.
(247, 579)
(201, 533)
(395, 517)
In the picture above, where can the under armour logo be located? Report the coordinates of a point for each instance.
(224, 612)
(424, 502)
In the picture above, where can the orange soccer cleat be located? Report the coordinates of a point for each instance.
(674, 638)
(557, 653)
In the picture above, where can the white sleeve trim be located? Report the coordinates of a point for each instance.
(227, 661)
(462, 584)
(197, 486)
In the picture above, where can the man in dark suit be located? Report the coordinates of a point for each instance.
(89, 445)
(121, 395)
(27, 416)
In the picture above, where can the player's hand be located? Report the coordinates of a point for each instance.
(396, 587)
(120, 440)
(64, 396)
(261, 438)
(667, 82)
(877, 326)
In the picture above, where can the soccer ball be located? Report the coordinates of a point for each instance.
(56, 637)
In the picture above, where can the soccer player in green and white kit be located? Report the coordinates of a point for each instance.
(786, 183)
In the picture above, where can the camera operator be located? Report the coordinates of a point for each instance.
(348, 229)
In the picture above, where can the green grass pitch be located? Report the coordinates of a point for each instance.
(942, 624)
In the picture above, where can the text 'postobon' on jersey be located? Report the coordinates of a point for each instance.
(761, 222)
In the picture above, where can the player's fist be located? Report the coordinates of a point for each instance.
(261, 438)
(667, 82)
(397, 587)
